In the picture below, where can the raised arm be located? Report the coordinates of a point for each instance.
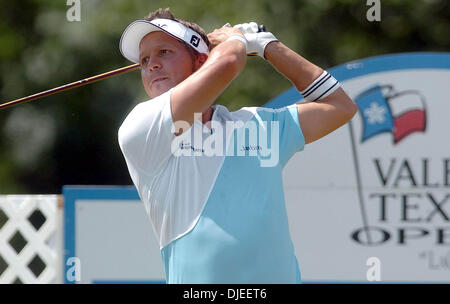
(318, 118)
(197, 92)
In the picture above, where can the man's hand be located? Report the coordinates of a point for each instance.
(220, 35)
(257, 42)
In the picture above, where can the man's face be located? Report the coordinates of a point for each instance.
(164, 61)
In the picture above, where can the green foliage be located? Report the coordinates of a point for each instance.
(71, 137)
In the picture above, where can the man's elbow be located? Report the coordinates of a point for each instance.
(228, 63)
(352, 108)
(345, 107)
(348, 108)
(233, 64)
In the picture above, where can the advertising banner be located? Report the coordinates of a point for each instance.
(371, 201)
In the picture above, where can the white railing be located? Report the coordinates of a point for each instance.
(31, 239)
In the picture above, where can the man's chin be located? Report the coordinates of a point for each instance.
(159, 91)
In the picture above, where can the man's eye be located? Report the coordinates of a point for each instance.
(164, 51)
(144, 60)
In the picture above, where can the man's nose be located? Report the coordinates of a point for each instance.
(154, 64)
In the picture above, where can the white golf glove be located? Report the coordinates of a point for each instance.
(257, 42)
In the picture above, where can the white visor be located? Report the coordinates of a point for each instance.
(133, 34)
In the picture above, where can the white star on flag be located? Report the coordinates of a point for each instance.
(375, 114)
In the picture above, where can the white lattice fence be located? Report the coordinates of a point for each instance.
(30, 238)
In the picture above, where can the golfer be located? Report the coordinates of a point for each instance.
(211, 179)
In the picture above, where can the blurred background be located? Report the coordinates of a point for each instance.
(71, 137)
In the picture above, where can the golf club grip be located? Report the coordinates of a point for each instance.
(261, 28)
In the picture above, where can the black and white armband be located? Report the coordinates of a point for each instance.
(320, 88)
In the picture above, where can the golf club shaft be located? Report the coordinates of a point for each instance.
(70, 85)
(261, 28)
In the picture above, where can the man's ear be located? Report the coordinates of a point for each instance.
(200, 60)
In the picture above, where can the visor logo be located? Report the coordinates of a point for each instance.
(161, 25)
(195, 40)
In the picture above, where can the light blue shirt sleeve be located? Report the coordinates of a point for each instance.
(291, 135)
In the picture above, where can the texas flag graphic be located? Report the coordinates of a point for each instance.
(384, 110)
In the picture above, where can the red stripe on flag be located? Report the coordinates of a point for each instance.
(407, 123)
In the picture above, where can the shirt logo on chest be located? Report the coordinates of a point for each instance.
(188, 146)
(230, 138)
